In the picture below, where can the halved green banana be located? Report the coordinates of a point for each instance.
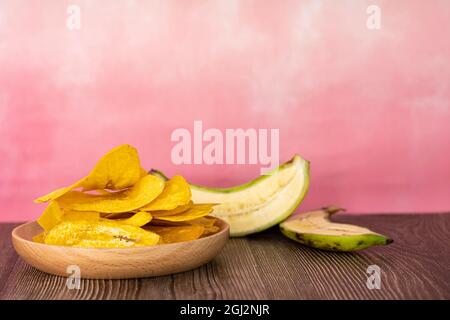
(261, 203)
(314, 229)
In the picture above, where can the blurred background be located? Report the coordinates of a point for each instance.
(368, 107)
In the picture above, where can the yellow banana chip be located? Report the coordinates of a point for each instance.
(118, 169)
(70, 215)
(100, 234)
(102, 192)
(118, 205)
(117, 215)
(210, 230)
(164, 223)
(177, 233)
(144, 172)
(143, 192)
(177, 192)
(51, 216)
(138, 219)
(196, 211)
(177, 210)
(207, 221)
(40, 238)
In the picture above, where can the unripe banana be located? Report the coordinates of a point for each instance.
(314, 229)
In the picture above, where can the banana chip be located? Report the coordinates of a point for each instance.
(40, 238)
(70, 215)
(177, 210)
(196, 211)
(208, 223)
(210, 230)
(51, 216)
(164, 223)
(177, 192)
(178, 233)
(117, 215)
(204, 221)
(118, 169)
(119, 205)
(139, 219)
(100, 234)
(143, 192)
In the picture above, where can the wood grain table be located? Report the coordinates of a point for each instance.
(270, 266)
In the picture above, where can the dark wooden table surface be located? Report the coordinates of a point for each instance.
(270, 266)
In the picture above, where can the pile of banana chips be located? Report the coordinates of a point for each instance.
(119, 205)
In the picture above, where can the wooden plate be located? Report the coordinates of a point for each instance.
(136, 262)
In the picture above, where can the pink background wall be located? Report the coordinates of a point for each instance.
(369, 108)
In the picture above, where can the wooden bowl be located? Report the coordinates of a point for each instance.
(108, 263)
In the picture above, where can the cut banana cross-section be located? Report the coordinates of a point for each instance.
(314, 229)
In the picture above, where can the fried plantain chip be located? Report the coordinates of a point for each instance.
(71, 215)
(40, 238)
(163, 223)
(117, 215)
(177, 233)
(100, 234)
(143, 192)
(209, 224)
(139, 219)
(206, 221)
(177, 192)
(103, 192)
(177, 210)
(118, 169)
(210, 230)
(51, 216)
(196, 211)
